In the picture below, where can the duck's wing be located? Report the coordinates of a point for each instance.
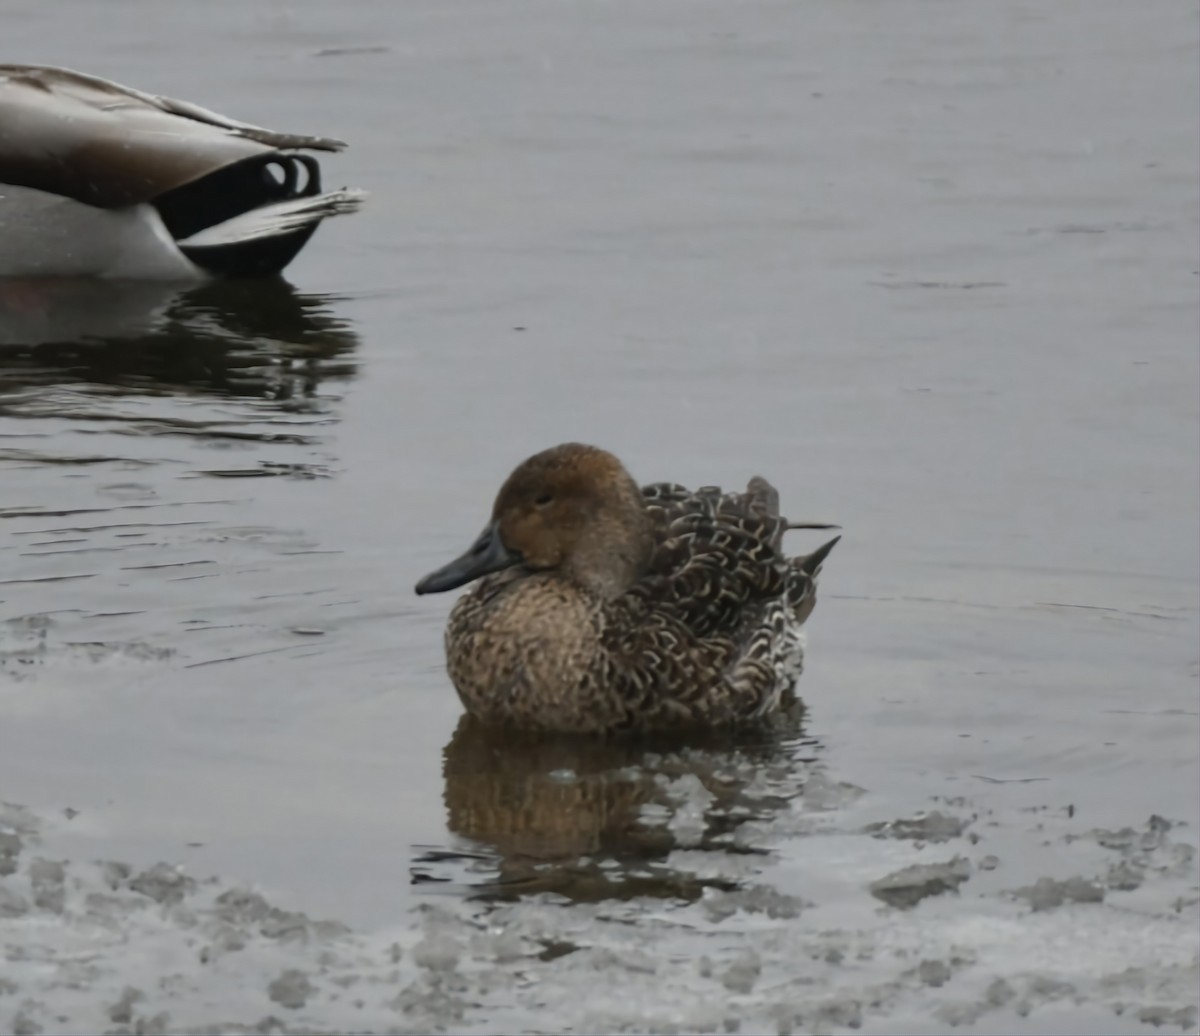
(108, 145)
(710, 531)
(712, 559)
(711, 633)
(715, 554)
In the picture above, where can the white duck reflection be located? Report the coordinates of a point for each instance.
(242, 338)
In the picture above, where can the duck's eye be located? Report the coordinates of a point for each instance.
(542, 499)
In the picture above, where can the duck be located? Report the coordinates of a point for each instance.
(102, 180)
(600, 606)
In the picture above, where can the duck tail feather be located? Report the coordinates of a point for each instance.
(276, 220)
(810, 565)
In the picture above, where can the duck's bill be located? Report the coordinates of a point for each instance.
(486, 555)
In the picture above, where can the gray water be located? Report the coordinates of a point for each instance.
(932, 268)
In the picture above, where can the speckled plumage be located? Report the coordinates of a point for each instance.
(702, 630)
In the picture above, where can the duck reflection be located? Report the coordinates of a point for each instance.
(594, 819)
(232, 338)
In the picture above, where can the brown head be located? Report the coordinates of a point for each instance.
(573, 510)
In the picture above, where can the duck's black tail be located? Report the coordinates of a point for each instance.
(250, 219)
(811, 564)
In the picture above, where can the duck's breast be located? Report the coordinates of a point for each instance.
(528, 654)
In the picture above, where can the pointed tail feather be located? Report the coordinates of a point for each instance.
(276, 220)
(811, 564)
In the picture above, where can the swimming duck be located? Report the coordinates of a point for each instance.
(100, 180)
(602, 606)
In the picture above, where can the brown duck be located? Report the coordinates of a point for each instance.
(603, 606)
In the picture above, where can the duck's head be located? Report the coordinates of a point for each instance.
(572, 510)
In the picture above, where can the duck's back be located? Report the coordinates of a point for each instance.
(712, 633)
(108, 145)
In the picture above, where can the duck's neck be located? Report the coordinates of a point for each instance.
(614, 554)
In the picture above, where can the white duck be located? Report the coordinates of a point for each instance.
(99, 180)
